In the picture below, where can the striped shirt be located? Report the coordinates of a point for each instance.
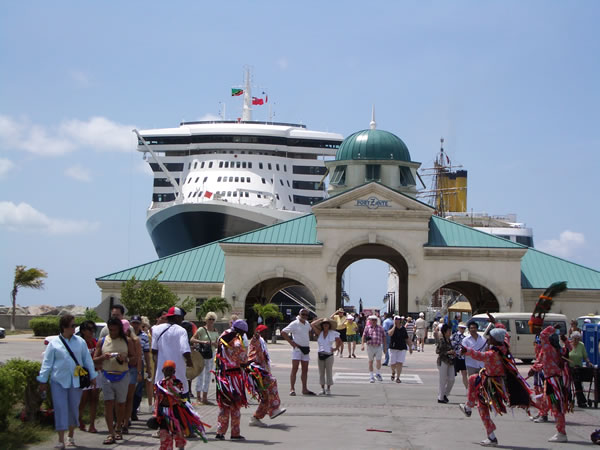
(410, 328)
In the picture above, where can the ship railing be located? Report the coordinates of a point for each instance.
(299, 300)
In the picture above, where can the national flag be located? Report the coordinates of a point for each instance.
(236, 92)
(257, 101)
(208, 194)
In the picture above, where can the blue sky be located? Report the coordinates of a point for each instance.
(512, 87)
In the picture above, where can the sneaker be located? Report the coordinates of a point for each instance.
(558, 437)
(278, 412)
(70, 442)
(532, 418)
(378, 376)
(323, 392)
(372, 380)
(254, 422)
(465, 409)
(328, 391)
(541, 419)
(489, 442)
(220, 437)
(446, 399)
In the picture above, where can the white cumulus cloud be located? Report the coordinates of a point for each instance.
(98, 133)
(78, 173)
(567, 243)
(24, 217)
(6, 166)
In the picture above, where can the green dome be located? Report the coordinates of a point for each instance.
(373, 144)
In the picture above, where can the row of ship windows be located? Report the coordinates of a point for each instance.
(306, 185)
(220, 139)
(299, 170)
(298, 199)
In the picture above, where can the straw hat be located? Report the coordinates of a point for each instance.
(332, 324)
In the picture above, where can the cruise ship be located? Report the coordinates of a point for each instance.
(215, 179)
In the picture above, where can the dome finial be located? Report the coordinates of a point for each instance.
(373, 125)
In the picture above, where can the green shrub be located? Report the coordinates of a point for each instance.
(19, 387)
(48, 326)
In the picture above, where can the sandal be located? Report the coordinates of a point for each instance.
(92, 429)
(110, 440)
(292, 393)
(398, 380)
(81, 425)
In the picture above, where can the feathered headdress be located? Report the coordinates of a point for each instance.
(543, 305)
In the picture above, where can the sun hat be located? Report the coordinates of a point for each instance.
(398, 318)
(498, 334)
(462, 325)
(174, 311)
(240, 325)
(126, 325)
(372, 317)
(332, 323)
(341, 310)
(261, 328)
(349, 317)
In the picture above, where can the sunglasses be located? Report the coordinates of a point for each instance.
(211, 319)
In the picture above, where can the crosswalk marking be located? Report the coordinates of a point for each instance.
(362, 378)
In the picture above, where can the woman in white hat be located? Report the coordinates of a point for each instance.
(328, 342)
(352, 336)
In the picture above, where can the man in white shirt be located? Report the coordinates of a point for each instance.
(170, 342)
(421, 330)
(300, 342)
(477, 343)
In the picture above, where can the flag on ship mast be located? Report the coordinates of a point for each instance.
(208, 194)
(236, 92)
(257, 101)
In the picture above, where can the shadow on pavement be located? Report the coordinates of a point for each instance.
(280, 426)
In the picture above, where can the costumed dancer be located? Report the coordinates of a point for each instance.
(231, 379)
(538, 384)
(173, 414)
(261, 382)
(496, 386)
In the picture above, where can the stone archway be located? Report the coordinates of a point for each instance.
(270, 291)
(382, 253)
(480, 297)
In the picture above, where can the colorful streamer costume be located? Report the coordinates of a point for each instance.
(231, 380)
(558, 389)
(174, 415)
(260, 380)
(538, 379)
(497, 385)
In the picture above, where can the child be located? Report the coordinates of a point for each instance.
(173, 414)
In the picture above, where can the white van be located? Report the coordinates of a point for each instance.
(517, 325)
(592, 319)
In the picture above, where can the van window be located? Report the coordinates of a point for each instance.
(506, 323)
(522, 326)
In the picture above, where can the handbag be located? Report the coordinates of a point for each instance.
(81, 372)
(206, 349)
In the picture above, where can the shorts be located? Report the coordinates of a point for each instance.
(353, 338)
(115, 391)
(374, 352)
(397, 356)
(342, 334)
(297, 355)
(459, 364)
(420, 334)
(132, 375)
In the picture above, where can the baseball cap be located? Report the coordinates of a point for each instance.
(135, 318)
(174, 311)
(169, 363)
(398, 318)
(261, 328)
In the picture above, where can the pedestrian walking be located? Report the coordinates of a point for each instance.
(421, 331)
(91, 394)
(263, 380)
(459, 359)
(340, 319)
(475, 342)
(374, 338)
(300, 342)
(136, 325)
(410, 329)
(65, 361)
(328, 343)
(136, 373)
(352, 336)
(400, 342)
(231, 379)
(576, 358)
(445, 363)
(206, 338)
(387, 325)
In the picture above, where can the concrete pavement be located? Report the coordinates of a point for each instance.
(409, 410)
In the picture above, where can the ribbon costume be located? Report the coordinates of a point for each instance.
(231, 379)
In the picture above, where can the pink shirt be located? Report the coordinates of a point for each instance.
(376, 335)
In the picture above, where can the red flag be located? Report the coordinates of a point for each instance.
(208, 194)
(257, 101)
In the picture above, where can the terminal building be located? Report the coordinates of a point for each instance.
(371, 213)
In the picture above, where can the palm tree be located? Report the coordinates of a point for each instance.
(25, 278)
(214, 304)
(270, 314)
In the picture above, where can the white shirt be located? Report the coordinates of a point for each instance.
(327, 343)
(300, 332)
(171, 341)
(475, 344)
(420, 324)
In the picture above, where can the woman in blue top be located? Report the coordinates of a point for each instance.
(58, 367)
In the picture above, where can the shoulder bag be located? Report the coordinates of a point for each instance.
(206, 349)
(84, 375)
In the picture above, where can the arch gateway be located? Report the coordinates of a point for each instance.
(374, 221)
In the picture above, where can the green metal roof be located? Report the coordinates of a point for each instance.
(445, 233)
(539, 270)
(373, 144)
(206, 264)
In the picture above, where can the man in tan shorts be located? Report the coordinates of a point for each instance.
(421, 331)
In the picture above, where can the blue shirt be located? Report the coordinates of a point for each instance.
(388, 324)
(58, 365)
(144, 341)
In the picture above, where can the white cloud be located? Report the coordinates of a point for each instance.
(24, 217)
(78, 173)
(283, 63)
(565, 246)
(6, 166)
(98, 133)
(80, 78)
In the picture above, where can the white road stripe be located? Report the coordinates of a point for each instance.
(362, 378)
